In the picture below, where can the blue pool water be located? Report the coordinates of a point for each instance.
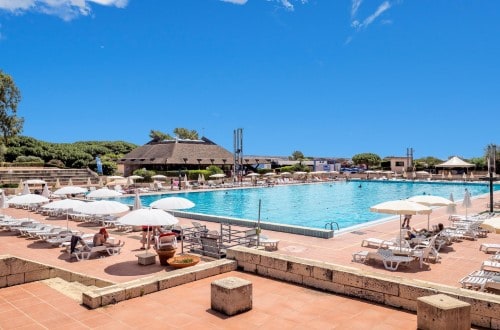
(313, 205)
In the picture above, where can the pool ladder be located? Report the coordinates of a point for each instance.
(329, 225)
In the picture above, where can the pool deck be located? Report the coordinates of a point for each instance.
(276, 304)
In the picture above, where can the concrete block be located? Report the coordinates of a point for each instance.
(37, 275)
(247, 267)
(176, 279)
(398, 302)
(5, 266)
(285, 276)
(495, 323)
(111, 295)
(324, 285)
(231, 295)
(364, 294)
(380, 284)
(299, 268)
(3, 281)
(18, 266)
(91, 299)
(412, 292)
(348, 279)
(261, 270)
(61, 273)
(442, 312)
(322, 273)
(15, 279)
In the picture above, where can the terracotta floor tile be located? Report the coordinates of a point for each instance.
(277, 305)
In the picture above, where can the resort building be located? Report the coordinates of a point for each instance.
(179, 154)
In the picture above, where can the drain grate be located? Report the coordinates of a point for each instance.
(357, 232)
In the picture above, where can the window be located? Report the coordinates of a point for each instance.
(401, 164)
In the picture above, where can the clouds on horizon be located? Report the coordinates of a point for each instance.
(65, 9)
(358, 25)
(287, 4)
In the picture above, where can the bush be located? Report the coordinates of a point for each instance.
(146, 174)
(55, 163)
(28, 159)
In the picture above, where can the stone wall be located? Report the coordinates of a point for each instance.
(137, 288)
(389, 290)
(14, 271)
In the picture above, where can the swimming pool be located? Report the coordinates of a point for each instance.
(313, 205)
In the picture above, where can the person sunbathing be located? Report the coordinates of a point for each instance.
(101, 238)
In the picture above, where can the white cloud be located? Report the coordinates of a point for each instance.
(370, 19)
(287, 4)
(236, 2)
(355, 6)
(66, 9)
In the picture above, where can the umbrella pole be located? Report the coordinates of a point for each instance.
(258, 225)
(400, 236)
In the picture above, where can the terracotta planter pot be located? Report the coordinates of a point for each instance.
(164, 254)
(183, 261)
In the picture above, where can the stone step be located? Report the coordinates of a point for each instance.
(73, 290)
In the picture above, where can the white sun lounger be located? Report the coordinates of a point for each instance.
(376, 242)
(489, 247)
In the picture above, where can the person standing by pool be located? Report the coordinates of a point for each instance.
(406, 221)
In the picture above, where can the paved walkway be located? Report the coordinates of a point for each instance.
(276, 304)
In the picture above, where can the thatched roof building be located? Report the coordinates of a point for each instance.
(169, 155)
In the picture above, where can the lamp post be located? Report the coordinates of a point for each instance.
(491, 168)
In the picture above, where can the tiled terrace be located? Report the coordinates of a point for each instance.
(36, 305)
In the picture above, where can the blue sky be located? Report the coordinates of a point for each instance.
(327, 78)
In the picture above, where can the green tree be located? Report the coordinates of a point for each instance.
(158, 136)
(184, 133)
(427, 162)
(368, 159)
(10, 96)
(297, 155)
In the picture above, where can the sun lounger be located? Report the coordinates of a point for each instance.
(86, 252)
(491, 265)
(391, 261)
(377, 243)
(489, 247)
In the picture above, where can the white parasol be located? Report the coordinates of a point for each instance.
(137, 201)
(103, 193)
(28, 199)
(452, 208)
(467, 201)
(70, 190)
(102, 207)
(148, 217)
(172, 203)
(430, 200)
(401, 207)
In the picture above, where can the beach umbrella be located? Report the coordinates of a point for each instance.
(464, 176)
(186, 182)
(45, 191)
(442, 175)
(467, 201)
(64, 204)
(136, 177)
(148, 217)
(253, 174)
(471, 176)
(218, 175)
(172, 203)
(70, 190)
(103, 193)
(159, 177)
(290, 174)
(449, 175)
(430, 200)
(115, 177)
(102, 207)
(137, 201)
(452, 208)
(28, 199)
(70, 182)
(26, 189)
(492, 224)
(100, 183)
(35, 181)
(3, 200)
(58, 184)
(401, 207)
(89, 181)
